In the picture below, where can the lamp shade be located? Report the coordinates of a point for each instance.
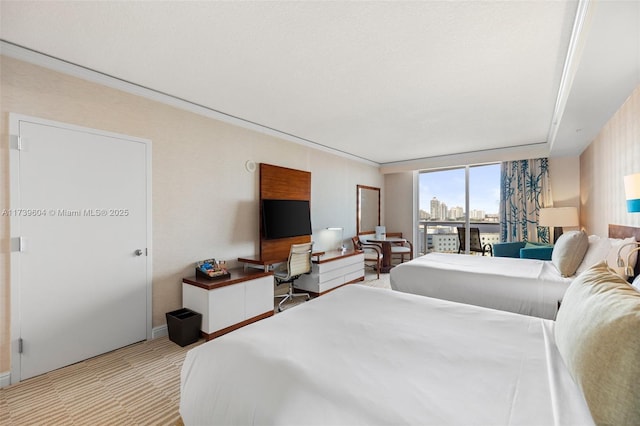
(632, 192)
(558, 216)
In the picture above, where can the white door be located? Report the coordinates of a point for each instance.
(80, 217)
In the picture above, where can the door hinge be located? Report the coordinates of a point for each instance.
(16, 244)
(15, 142)
(20, 345)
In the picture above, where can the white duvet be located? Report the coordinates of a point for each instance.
(525, 286)
(367, 356)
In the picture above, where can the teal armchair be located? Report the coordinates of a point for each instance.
(523, 250)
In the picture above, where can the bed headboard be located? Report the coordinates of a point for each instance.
(621, 231)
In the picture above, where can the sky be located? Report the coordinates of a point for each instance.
(448, 187)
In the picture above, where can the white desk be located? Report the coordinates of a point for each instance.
(331, 270)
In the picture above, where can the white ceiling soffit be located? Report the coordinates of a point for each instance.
(387, 82)
(609, 71)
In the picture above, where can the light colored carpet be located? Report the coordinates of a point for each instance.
(135, 385)
(371, 279)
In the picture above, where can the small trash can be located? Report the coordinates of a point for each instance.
(184, 326)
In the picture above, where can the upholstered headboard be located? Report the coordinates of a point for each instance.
(621, 231)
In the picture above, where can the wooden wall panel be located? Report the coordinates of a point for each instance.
(281, 183)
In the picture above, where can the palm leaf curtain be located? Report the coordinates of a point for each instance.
(525, 189)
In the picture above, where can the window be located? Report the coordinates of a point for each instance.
(444, 200)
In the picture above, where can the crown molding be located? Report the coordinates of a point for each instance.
(43, 60)
(577, 41)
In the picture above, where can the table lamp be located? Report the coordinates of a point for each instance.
(342, 247)
(557, 217)
(628, 270)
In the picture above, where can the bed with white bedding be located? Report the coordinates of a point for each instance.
(526, 286)
(361, 355)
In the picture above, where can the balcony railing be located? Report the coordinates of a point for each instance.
(442, 236)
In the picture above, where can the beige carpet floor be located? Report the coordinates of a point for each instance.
(135, 385)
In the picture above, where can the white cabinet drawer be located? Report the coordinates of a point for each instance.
(332, 272)
(339, 263)
(331, 275)
(229, 303)
(226, 307)
(258, 296)
(340, 272)
(331, 284)
(354, 275)
(197, 299)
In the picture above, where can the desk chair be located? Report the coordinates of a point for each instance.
(299, 263)
(372, 253)
(401, 249)
(475, 243)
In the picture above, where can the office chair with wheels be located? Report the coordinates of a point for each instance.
(299, 263)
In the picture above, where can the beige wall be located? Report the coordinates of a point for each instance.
(204, 201)
(400, 204)
(564, 174)
(612, 155)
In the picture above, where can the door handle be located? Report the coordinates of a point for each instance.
(138, 252)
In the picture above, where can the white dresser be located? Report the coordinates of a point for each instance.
(332, 269)
(230, 303)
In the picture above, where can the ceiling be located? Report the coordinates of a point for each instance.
(385, 82)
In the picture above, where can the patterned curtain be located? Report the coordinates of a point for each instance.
(524, 191)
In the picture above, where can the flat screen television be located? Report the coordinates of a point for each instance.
(285, 218)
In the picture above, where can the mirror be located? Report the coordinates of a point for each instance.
(367, 209)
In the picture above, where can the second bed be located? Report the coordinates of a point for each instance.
(525, 286)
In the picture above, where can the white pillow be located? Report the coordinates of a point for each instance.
(598, 251)
(569, 251)
(612, 257)
(636, 283)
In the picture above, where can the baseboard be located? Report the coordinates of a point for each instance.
(5, 379)
(160, 331)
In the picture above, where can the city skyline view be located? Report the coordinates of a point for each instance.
(448, 186)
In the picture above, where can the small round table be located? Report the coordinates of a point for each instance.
(386, 250)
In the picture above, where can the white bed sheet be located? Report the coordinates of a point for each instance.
(525, 286)
(367, 356)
